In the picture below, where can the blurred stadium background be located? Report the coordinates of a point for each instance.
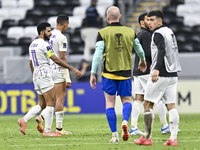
(18, 21)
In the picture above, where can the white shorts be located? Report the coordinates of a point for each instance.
(165, 89)
(43, 85)
(140, 83)
(58, 75)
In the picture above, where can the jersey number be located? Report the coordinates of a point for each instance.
(35, 61)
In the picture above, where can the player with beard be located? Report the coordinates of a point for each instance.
(39, 54)
(141, 78)
(60, 75)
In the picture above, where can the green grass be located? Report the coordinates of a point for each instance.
(91, 132)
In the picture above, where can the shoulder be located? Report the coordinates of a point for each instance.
(61, 37)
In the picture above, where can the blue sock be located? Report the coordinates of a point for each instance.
(112, 119)
(127, 108)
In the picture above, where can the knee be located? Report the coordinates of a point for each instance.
(148, 105)
(42, 105)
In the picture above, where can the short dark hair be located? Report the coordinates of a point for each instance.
(156, 13)
(62, 18)
(42, 26)
(141, 17)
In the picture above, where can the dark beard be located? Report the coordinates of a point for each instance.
(46, 37)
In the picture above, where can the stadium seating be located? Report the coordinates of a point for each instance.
(31, 32)
(9, 3)
(8, 23)
(4, 14)
(15, 32)
(89, 36)
(17, 14)
(52, 21)
(192, 1)
(182, 17)
(191, 20)
(26, 4)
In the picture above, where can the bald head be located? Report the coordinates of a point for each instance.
(113, 14)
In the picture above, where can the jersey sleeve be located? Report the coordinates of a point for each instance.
(30, 58)
(62, 44)
(48, 50)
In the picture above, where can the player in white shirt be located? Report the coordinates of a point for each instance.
(40, 52)
(60, 76)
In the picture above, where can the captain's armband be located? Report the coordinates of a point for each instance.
(50, 53)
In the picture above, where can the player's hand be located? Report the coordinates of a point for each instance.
(142, 66)
(77, 73)
(68, 85)
(154, 75)
(93, 81)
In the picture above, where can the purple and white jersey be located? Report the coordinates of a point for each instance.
(58, 42)
(38, 51)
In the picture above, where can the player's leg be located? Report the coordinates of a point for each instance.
(153, 93)
(126, 112)
(111, 116)
(170, 95)
(109, 87)
(137, 104)
(39, 119)
(124, 89)
(49, 97)
(148, 123)
(60, 91)
(31, 113)
(174, 123)
(161, 108)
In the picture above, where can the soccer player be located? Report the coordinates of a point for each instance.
(60, 75)
(115, 42)
(163, 81)
(141, 78)
(39, 54)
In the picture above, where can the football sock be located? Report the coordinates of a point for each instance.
(112, 119)
(174, 122)
(48, 118)
(32, 112)
(59, 119)
(148, 122)
(135, 113)
(127, 108)
(161, 108)
(43, 113)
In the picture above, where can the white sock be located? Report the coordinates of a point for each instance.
(174, 122)
(48, 118)
(161, 108)
(43, 113)
(59, 118)
(31, 113)
(135, 113)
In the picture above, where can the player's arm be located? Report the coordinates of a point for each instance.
(62, 52)
(97, 55)
(145, 41)
(160, 43)
(96, 59)
(138, 49)
(66, 71)
(31, 65)
(60, 62)
(140, 52)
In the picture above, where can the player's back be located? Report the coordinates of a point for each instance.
(58, 42)
(38, 51)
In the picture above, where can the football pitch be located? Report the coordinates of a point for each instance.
(91, 132)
